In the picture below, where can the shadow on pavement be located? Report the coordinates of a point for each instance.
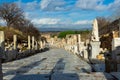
(55, 74)
(24, 69)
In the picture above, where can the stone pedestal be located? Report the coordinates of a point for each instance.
(95, 49)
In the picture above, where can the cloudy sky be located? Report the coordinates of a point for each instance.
(65, 13)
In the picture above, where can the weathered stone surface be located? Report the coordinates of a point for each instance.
(95, 49)
(115, 43)
(95, 33)
(116, 75)
(55, 64)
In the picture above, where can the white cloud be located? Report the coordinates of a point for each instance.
(32, 5)
(97, 5)
(29, 5)
(115, 5)
(48, 21)
(2, 22)
(53, 5)
(91, 4)
(83, 22)
(44, 3)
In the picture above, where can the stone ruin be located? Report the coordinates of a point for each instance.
(14, 50)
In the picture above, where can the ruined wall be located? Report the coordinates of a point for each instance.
(108, 33)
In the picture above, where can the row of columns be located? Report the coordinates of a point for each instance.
(71, 43)
(2, 46)
(29, 43)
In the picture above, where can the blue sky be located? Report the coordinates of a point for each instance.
(65, 13)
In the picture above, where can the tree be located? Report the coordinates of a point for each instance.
(102, 22)
(12, 14)
(30, 29)
(14, 17)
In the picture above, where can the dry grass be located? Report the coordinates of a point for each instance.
(9, 32)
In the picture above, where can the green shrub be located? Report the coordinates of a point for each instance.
(82, 32)
(64, 33)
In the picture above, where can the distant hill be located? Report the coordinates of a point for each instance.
(61, 29)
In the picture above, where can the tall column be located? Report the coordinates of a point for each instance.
(36, 45)
(29, 43)
(2, 47)
(2, 40)
(75, 39)
(79, 41)
(119, 28)
(15, 41)
(41, 45)
(79, 38)
(44, 43)
(95, 32)
(33, 42)
(52, 41)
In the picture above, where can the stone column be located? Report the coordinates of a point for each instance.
(41, 45)
(95, 32)
(79, 38)
(75, 39)
(36, 46)
(2, 40)
(44, 43)
(33, 42)
(119, 27)
(29, 43)
(79, 41)
(15, 41)
(52, 41)
(2, 47)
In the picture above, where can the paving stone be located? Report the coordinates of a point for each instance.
(116, 75)
(55, 64)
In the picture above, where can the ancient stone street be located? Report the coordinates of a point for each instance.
(55, 64)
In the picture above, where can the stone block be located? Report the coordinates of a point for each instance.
(95, 49)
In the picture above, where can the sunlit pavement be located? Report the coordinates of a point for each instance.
(55, 64)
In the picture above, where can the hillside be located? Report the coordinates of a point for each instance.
(9, 32)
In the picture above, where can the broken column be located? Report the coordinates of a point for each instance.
(2, 47)
(95, 43)
(15, 41)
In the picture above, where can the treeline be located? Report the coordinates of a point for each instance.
(14, 17)
(84, 33)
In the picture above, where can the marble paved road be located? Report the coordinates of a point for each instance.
(55, 64)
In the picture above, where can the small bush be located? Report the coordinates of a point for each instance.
(64, 33)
